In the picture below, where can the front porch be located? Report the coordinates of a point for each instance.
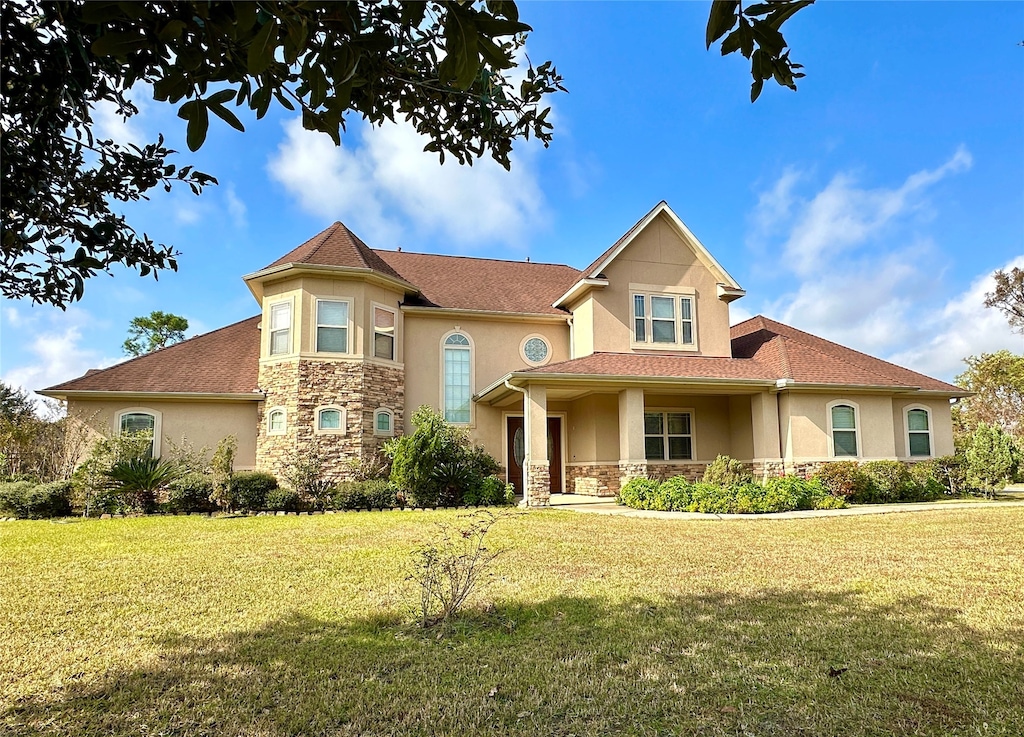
(589, 438)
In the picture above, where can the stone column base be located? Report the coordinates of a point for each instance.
(631, 470)
(538, 484)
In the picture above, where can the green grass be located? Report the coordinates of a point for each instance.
(908, 624)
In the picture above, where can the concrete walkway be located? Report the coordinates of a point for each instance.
(607, 505)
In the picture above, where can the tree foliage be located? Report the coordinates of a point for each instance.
(151, 332)
(756, 32)
(992, 458)
(998, 382)
(441, 66)
(1008, 297)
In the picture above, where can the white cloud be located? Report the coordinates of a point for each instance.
(388, 189)
(843, 216)
(865, 275)
(963, 326)
(236, 207)
(58, 355)
(109, 123)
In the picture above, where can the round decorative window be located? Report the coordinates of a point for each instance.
(535, 350)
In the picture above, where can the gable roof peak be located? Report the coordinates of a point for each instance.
(336, 245)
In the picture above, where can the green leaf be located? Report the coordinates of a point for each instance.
(780, 16)
(219, 98)
(171, 31)
(768, 38)
(413, 12)
(118, 44)
(755, 89)
(722, 18)
(226, 115)
(261, 50)
(758, 9)
(198, 125)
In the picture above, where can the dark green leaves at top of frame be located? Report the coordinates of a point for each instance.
(757, 36)
(262, 48)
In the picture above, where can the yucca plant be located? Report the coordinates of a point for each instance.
(138, 480)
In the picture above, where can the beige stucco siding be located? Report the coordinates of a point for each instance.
(304, 291)
(203, 423)
(495, 352)
(657, 257)
(941, 424)
(804, 419)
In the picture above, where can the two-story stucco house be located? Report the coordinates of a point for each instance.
(574, 380)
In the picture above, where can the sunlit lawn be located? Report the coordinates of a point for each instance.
(896, 624)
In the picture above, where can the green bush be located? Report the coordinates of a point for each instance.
(927, 477)
(283, 500)
(369, 494)
(492, 492)
(780, 494)
(636, 492)
(26, 500)
(250, 489)
(843, 479)
(726, 471)
(136, 480)
(437, 465)
(889, 481)
(191, 493)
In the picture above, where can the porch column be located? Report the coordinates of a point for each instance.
(764, 417)
(632, 457)
(537, 489)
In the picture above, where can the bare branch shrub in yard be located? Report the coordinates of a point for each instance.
(449, 569)
(306, 474)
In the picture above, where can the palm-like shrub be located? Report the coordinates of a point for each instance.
(138, 480)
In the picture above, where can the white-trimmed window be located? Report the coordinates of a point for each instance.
(664, 320)
(919, 432)
(383, 422)
(384, 322)
(668, 436)
(844, 429)
(280, 328)
(535, 350)
(458, 377)
(330, 420)
(139, 420)
(332, 326)
(277, 421)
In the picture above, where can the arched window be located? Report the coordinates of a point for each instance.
(457, 378)
(141, 420)
(277, 421)
(383, 422)
(919, 432)
(330, 420)
(843, 427)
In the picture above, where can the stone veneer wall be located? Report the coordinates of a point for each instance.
(303, 385)
(538, 484)
(593, 479)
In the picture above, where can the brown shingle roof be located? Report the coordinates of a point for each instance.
(800, 356)
(336, 246)
(224, 361)
(648, 365)
(762, 349)
(467, 283)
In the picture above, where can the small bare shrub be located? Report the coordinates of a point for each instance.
(448, 570)
(223, 466)
(306, 474)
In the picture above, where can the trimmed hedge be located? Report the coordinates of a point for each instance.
(372, 494)
(249, 489)
(676, 494)
(26, 500)
(191, 493)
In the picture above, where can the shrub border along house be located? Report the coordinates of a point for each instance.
(727, 488)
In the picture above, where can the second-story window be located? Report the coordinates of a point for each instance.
(663, 320)
(280, 328)
(457, 379)
(331, 326)
(383, 333)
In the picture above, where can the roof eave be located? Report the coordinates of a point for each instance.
(578, 289)
(520, 377)
(253, 396)
(787, 384)
(492, 314)
(256, 279)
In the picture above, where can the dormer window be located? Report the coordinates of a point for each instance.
(663, 321)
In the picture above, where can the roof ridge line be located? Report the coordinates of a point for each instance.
(474, 258)
(787, 367)
(327, 233)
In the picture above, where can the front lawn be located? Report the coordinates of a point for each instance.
(894, 624)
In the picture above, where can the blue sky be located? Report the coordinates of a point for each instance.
(870, 207)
